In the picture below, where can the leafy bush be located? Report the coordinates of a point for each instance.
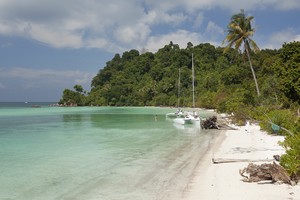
(241, 115)
(281, 118)
(291, 160)
(236, 101)
(207, 100)
(290, 127)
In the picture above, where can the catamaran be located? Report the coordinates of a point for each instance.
(194, 116)
(190, 117)
(179, 113)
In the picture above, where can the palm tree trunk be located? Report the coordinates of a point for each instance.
(252, 70)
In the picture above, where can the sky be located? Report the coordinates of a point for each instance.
(47, 46)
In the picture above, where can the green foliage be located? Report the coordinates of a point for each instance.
(239, 35)
(289, 74)
(289, 125)
(291, 159)
(207, 100)
(222, 82)
(73, 98)
(78, 88)
(238, 101)
(242, 114)
(281, 118)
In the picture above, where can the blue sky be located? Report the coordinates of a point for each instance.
(49, 45)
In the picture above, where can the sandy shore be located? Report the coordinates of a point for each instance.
(223, 181)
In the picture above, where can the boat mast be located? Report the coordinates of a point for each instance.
(178, 93)
(193, 77)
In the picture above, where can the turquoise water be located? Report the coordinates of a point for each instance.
(100, 153)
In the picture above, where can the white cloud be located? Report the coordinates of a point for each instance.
(37, 77)
(161, 17)
(277, 39)
(58, 39)
(25, 84)
(69, 24)
(198, 20)
(97, 43)
(136, 35)
(131, 34)
(181, 37)
(214, 29)
(232, 5)
(297, 37)
(114, 25)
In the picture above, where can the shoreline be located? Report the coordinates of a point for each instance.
(223, 181)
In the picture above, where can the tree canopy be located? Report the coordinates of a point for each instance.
(239, 35)
(223, 82)
(151, 79)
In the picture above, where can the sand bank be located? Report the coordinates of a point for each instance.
(223, 181)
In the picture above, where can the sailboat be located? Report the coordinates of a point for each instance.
(190, 117)
(194, 116)
(179, 113)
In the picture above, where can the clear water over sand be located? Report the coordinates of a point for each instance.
(96, 153)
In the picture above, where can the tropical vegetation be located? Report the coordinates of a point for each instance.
(223, 82)
(240, 32)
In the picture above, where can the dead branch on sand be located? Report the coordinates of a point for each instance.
(265, 172)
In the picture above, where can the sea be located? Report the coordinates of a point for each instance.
(96, 153)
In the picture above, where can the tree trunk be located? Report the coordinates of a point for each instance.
(252, 70)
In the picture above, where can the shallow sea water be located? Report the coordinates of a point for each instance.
(89, 153)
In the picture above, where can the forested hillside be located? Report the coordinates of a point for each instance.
(222, 80)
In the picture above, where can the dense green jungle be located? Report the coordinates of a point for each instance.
(223, 81)
(260, 86)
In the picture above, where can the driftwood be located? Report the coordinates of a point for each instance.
(265, 172)
(231, 160)
(213, 123)
(226, 127)
(210, 123)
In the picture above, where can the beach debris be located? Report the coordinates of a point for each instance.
(210, 123)
(265, 172)
(232, 160)
(226, 127)
(214, 123)
(276, 157)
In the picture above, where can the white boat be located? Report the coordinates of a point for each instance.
(179, 113)
(187, 119)
(190, 130)
(195, 119)
(190, 117)
(193, 115)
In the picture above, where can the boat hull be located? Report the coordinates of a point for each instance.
(185, 120)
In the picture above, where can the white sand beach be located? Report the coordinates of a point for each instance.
(223, 181)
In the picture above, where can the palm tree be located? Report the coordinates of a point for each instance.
(239, 33)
